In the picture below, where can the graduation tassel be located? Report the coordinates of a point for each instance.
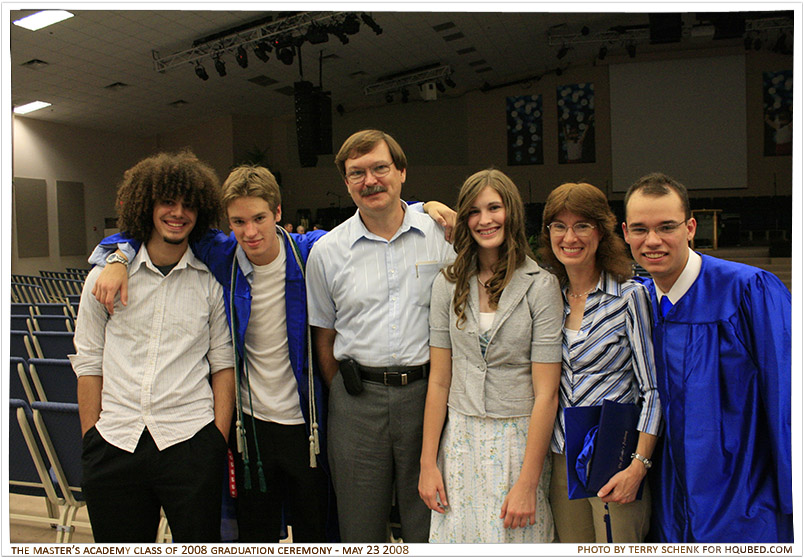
(261, 476)
(246, 476)
(315, 435)
(313, 463)
(239, 430)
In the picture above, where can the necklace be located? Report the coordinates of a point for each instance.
(486, 285)
(583, 294)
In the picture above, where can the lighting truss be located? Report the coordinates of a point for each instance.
(230, 43)
(610, 36)
(642, 34)
(400, 82)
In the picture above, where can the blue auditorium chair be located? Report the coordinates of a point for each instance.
(52, 344)
(53, 380)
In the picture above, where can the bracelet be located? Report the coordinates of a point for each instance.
(645, 461)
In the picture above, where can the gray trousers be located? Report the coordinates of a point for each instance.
(375, 443)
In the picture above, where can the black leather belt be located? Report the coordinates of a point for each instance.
(394, 375)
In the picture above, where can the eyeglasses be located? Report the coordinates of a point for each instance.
(581, 229)
(358, 176)
(663, 230)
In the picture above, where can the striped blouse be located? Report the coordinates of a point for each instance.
(611, 357)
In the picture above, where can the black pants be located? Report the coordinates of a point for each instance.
(124, 491)
(290, 483)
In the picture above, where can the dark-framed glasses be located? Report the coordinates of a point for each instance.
(663, 230)
(358, 176)
(581, 229)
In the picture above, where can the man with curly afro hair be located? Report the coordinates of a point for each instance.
(155, 378)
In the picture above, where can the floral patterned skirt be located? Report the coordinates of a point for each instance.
(480, 459)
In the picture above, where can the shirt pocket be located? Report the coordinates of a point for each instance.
(424, 273)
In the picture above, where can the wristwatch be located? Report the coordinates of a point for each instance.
(114, 257)
(645, 461)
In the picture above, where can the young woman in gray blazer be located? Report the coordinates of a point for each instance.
(495, 364)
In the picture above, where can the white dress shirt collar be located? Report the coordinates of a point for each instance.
(684, 281)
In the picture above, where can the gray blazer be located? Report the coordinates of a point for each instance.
(526, 328)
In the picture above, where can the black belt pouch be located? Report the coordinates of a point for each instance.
(350, 372)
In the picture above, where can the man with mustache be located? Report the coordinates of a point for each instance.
(368, 296)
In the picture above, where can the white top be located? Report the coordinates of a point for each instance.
(485, 321)
(571, 335)
(273, 385)
(684, 281)
(375, 293)
(156, 354)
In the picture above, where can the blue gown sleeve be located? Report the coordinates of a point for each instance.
(216, 250)
(120, 240)
(766, 313)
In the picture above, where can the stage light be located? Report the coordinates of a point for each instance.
(562, 52)
(440, 87)
(449, 82)
(601, 54)
(338, 32)
(201, 72)
(351, 24)
(285, 54)
(261, 51)
(242, 57)
(368, 20)
(220, 66)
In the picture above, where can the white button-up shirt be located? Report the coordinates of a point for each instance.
(375, 293)
(157, 353)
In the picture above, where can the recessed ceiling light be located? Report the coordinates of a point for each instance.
(30, 107)
(37, 21)
(34, 63)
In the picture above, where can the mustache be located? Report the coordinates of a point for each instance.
(371, 190)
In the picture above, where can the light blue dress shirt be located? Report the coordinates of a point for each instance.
(375, 293)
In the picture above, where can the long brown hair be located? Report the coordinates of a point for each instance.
(512, 251)
(591, 204)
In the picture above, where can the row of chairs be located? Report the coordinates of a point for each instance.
(41, 344)
(42, 379)
(45, 444)
(42, 323)
(69, 308)
(51, 289)
(45, 460)
(71, 273)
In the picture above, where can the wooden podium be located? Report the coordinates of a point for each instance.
(706, 234)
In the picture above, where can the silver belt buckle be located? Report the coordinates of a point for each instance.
(385, 378)
(404, 378)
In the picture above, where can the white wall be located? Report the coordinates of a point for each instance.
(56, 152)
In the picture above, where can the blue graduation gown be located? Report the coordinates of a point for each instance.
(723, 369)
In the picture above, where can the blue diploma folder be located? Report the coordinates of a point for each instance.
(599, 444)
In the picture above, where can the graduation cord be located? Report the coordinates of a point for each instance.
(315, 448)
(242, 446)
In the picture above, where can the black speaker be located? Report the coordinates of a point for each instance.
(306, 122)
(665, 28)
(313, 122)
